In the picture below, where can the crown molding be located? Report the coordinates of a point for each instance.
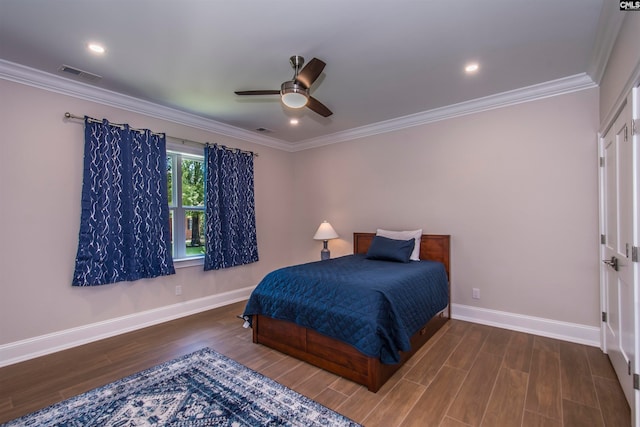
(609, 25)
(47, 81)
(632, 82)
(39, 79)
(530, 93)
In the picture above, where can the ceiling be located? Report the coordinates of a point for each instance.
(386, 60)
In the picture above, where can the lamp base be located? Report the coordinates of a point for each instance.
(325, 254)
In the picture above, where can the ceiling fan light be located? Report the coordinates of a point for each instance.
(293, 95)
(294, 100)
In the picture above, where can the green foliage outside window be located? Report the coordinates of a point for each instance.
(193, 195)
(185, 187)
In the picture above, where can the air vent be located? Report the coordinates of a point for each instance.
(263, 130)
(85, 75)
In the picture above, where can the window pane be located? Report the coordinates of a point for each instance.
(185, 188)
(192, 182)
(194, 226)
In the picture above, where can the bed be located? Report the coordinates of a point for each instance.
(377, 351)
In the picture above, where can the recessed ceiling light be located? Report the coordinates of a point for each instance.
(294, 121)
(472, 68)
(96, 48)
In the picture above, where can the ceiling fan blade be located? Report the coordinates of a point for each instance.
(258, 92)
(317, 106)
(310, 72)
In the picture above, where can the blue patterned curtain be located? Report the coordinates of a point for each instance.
(229, 208)
(124, 224)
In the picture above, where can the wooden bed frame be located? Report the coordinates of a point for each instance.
(341, 358)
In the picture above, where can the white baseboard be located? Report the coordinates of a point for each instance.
(50, 343)
(572, 332)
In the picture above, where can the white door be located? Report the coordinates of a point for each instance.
(617, 251)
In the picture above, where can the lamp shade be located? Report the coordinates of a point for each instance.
(325, 232)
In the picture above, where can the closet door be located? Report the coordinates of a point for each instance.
(619, 182)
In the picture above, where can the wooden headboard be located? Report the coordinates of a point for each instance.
(435, 247)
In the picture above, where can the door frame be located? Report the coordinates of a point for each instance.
(635, 140)
(632, 98)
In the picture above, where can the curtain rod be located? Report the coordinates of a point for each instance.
(68, 115)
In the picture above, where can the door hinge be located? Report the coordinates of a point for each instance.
(603, 239)
(636, 381)
(628, 367)
(601, 162)
(604, 316)
(634, 253)
(634, 126)
(626, 133)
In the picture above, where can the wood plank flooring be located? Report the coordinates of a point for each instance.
(466, 375)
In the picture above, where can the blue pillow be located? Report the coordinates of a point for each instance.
(383, 248)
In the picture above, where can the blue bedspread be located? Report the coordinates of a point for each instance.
(376, 306)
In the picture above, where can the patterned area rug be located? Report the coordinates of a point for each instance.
(200, 389)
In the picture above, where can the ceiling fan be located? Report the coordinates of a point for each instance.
(295, 92)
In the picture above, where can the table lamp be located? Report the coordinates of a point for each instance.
(325, 232)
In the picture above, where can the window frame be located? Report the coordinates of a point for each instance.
(177, 152)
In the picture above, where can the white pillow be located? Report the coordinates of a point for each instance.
(404, 235)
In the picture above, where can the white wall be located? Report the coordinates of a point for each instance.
(516, 188)
(621, 68)
(40, 186)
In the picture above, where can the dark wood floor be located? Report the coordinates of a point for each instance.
(466, 375)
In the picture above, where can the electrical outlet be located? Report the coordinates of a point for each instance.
(476, 293)
(178, 290)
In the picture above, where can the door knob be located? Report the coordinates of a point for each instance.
(613, 262)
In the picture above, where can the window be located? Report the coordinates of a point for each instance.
(185, 185)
